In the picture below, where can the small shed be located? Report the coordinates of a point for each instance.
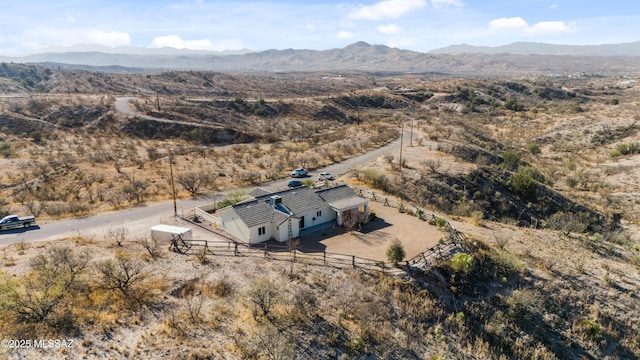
(167, 232)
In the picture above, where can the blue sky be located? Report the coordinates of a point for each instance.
(419, 25)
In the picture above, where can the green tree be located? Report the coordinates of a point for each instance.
(395, 252)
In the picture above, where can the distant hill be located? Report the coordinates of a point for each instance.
(360, 56)
(529, 48)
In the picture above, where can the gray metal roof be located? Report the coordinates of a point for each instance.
(254, 213)
(298, 201)
(340, 196)
(259, 191)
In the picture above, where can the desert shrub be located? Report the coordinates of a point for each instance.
(522, 303)
(534, 148)
(376, 179)
(6, 150)
(462, 262)
(590, 329)
(220, 288)
(568, 222)
(45, 296)
(440, 222)
(510, 160)
(626, 149)
(125, 277)
(262, 294)
(524, 180)
(152, 246)
(512, 104)
(505, 263)
(232, 198)
(576, 108)
(395, 252)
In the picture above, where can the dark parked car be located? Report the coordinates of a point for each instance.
(294, 183)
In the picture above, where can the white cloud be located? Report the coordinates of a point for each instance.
(548, 27)
(387, 9)
(444, 3)
(109, 38)
(508, 23)
(310, 26)
(401, 43)
(344, 35)
(175, 41)
(389, 29)
(540, 28)
(554, 6)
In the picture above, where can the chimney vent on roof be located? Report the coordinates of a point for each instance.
(275, 200)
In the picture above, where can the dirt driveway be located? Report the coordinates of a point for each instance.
(415, 235)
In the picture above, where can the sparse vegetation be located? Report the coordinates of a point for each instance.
(395, 252)
(558, 279)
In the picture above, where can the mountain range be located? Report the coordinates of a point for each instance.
(360, 56)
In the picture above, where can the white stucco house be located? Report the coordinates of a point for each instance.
(287, 214)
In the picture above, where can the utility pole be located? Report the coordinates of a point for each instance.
(173, 186)
(411, 138)
(401, 137)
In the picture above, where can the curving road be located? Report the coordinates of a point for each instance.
(122, 106)
(164, 210)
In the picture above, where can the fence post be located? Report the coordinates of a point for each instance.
(324, 258)
(353, 261)
(294, 255)
(235, 250)
(265, 250)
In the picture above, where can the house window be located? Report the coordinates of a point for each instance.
(319, 213)
(261, 230)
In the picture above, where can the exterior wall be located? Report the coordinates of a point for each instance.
(255, 238)
(311, 218)
(361, 210)
(281, 234)
(231, 223)
(203, 213)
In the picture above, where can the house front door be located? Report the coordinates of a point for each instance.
(302, 222)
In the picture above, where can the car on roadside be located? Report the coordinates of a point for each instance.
(14, 222)
(300, 172)
(325, 176)
(294, 184)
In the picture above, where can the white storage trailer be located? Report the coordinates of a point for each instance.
(167, 232)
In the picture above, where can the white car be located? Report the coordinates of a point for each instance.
(325, 176)
(301, 172)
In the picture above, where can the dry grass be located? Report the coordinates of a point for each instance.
(557, 287)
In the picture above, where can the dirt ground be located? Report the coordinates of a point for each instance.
(415, 235)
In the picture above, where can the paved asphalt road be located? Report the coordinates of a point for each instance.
(56, 229)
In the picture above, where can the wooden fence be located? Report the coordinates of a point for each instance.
(440, 252)
(276, 252)
(454, 243)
